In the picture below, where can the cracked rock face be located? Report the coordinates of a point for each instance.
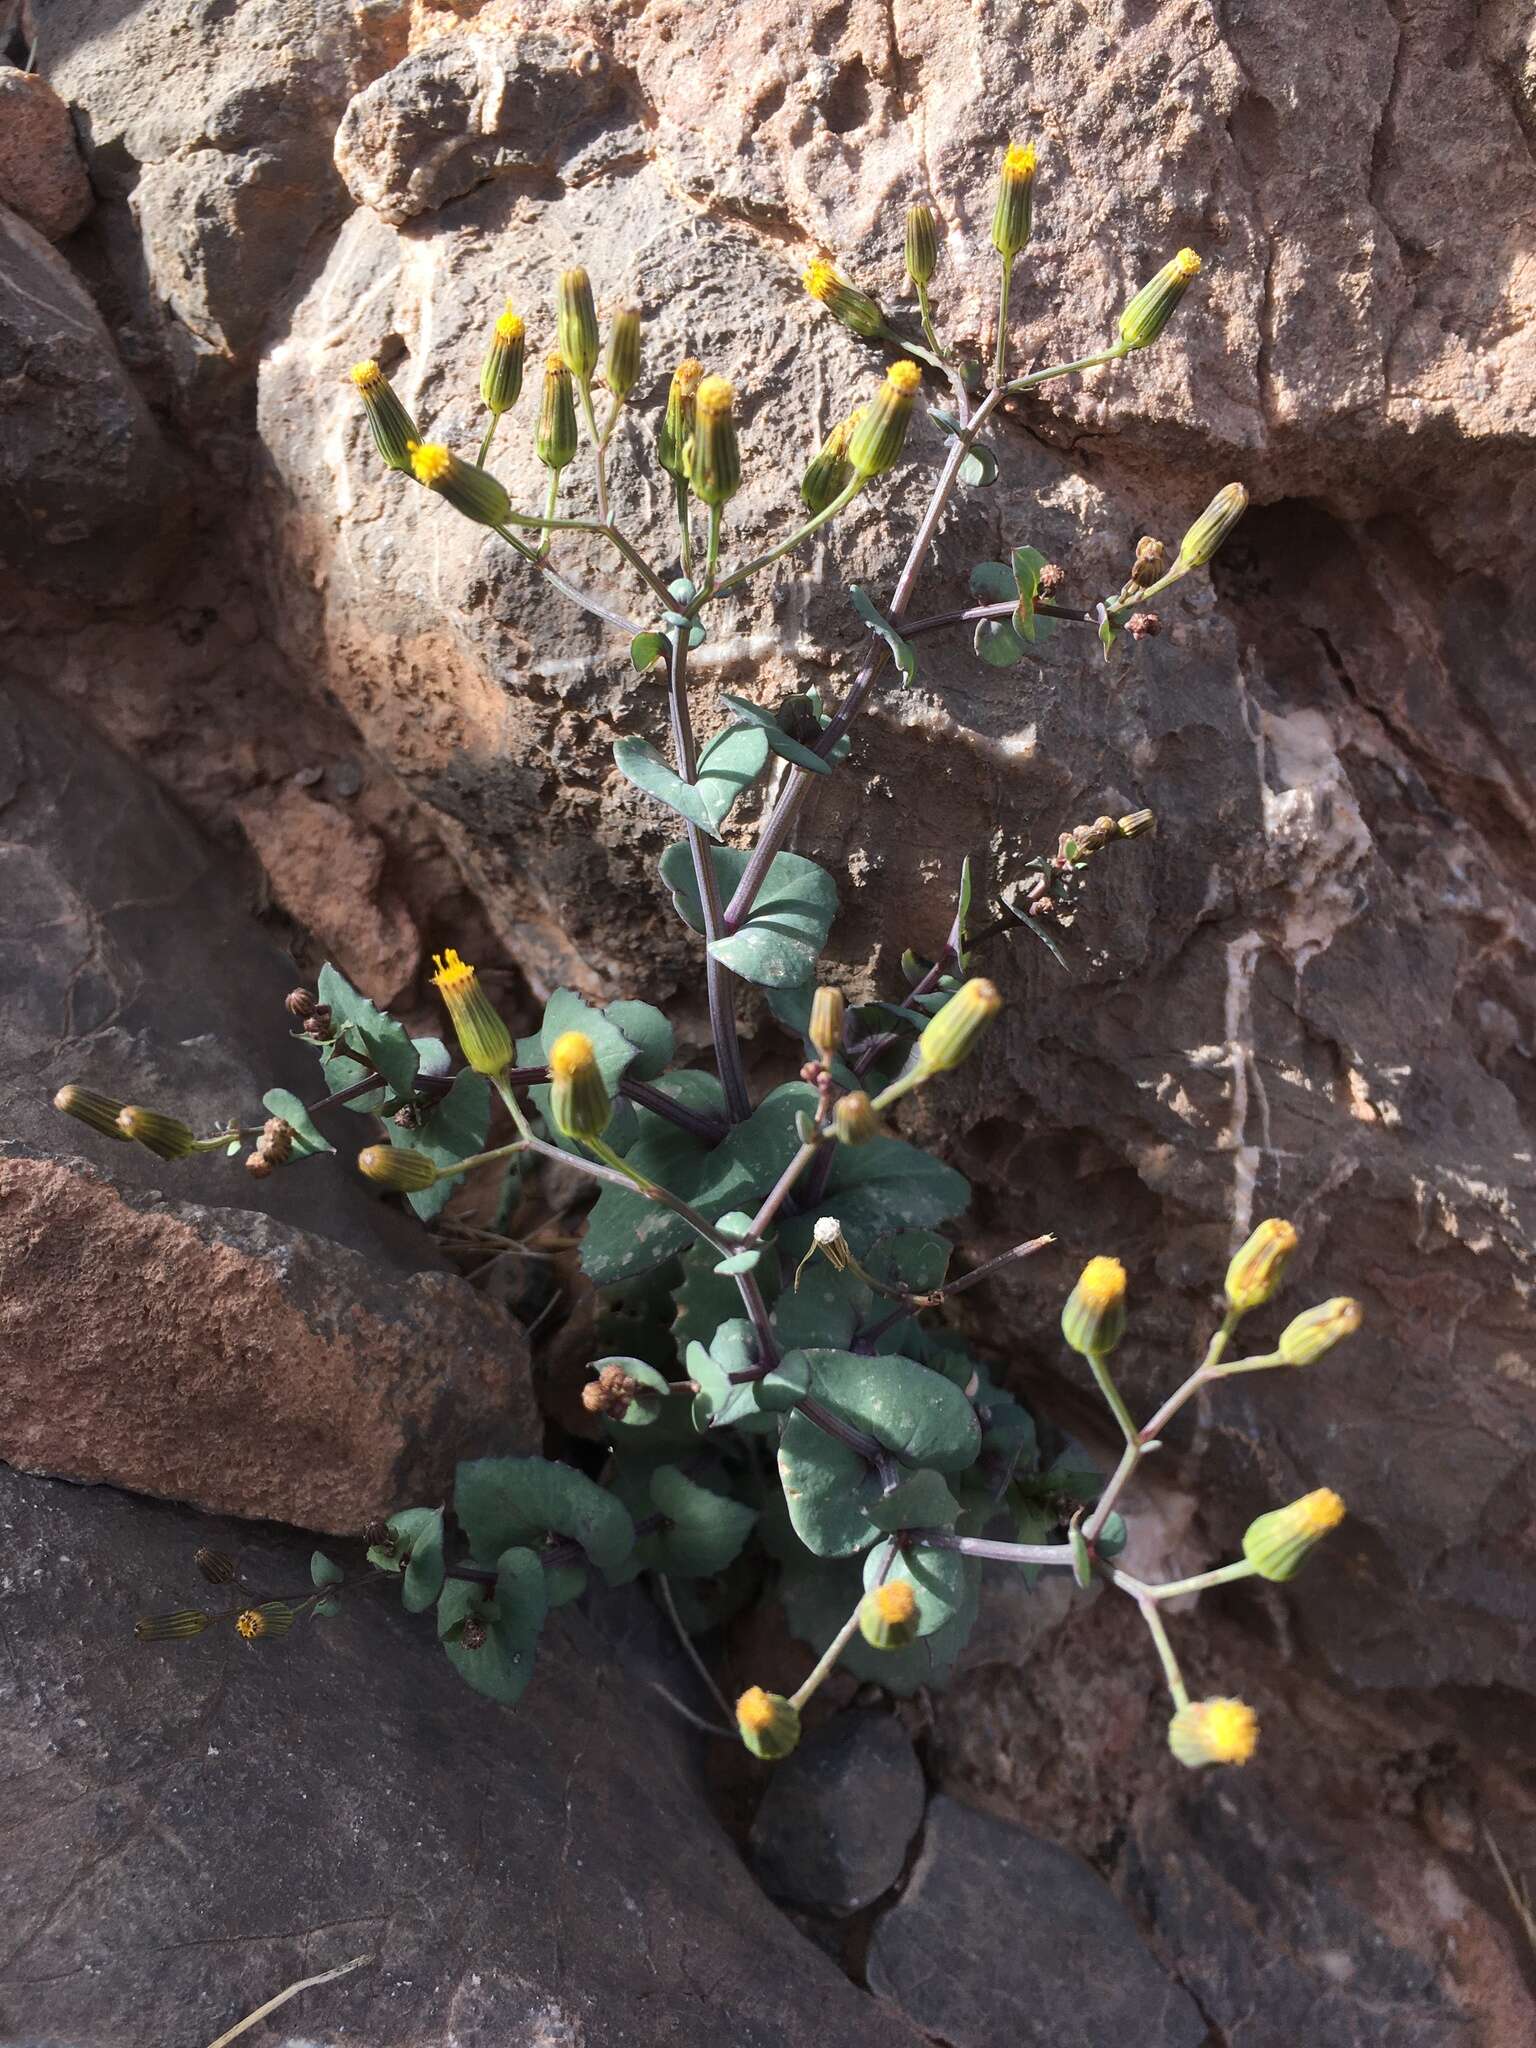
(1310, 994)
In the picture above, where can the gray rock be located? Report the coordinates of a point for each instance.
(1002, 1940)
(839, 1815)
(314, 1362)
(188, 1828)
(85, 480)
(463, 111)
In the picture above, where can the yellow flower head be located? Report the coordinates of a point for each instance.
(485, 1039)
(454, 976)
(768, 1724)
(688, 375)
(1020, 160)
(251, 1624)
(713, 398)
(844, 301)
(1257, 1269)
(1277, 1544)
(509, 327)
(897, 1602)
(1187, 264)
(1213, 1732)
(755, 1710)
(1103, 1283)
(571, 1056)
(821, 280)
(366, 375)
(905, 376)
(1093, 1321)
(1320, 1511)
(430, 462)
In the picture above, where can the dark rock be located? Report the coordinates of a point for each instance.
(839, 1815)
(1002, 1940)
(188, 1828)
(313, 1362)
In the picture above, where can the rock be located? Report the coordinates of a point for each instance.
(466, 110)
(41, 175)
(85, 480)
(1001, 1938)
(327, 870)
(311, 1362)
(191, 1827)
(838, 1817)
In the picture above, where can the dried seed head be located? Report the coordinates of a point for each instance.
(299, 1003)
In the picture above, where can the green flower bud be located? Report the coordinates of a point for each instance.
(1317, 1330)
(922, 243)
(474, 492)
(853, 1120)
(844, 301)
(828, 1009)
(1093, 1321)
(676, 429)
(172, 1628)
(483, 1038)
(1213, 526)
(888, 1615)
(830, 472)
(1276, 1545)
(621, 370)
(951, 1036)
(876, 442)
(554, 439)
(501, 374)
(393, 428)
(101, 1112)
(1213, 1732)
(1256, 1271)
(1154, 305)
(714, 471)
(576, 327)
(397, 1168)
(769, 1725)
(216, 1566)
(1011, 217)
(166, 1136)
(1134, 823)
(579, 1103)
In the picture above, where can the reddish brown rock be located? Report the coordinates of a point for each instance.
(41, 175)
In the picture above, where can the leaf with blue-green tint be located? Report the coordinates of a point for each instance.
(774, 734)
(627, 1232)
(941, 1581)
(512, 1617)
(453, 1129)
(916, 1413)
(506, 1501)
(904, 655)
(638, 761)
(306, 1139)
(730, 764)
(786, 928)
(827, 1487)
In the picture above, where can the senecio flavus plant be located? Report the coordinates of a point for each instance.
(820, 1428)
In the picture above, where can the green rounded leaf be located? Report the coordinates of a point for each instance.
(827, 1488)
(730, 764)
(774, 735)
(940, 1581)
(306, 1139)
(638, 761)
(424, 1573)
(914, 1412)
(639, 1414)
(323, 1571)
(704, 1531)
(502, 1502)
(649, 1033)
(512, 1617)
(780, 942)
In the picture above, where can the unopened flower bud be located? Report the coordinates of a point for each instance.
(676, 429)
(1151, 561)
(1154, 305)
(876, 442)
(483, 1037)
(576, 327)
(393, 428)
(166, 1136)
(1213, 1732)
(888, 1615)
(579, 1103)
(828, 1008)
(216, 1566)
(853, 1120)
(257, 1624)
(714, 464)
(101, 1112)
(1015, 200)
(1256, 1271)
(769, 1725)
(1134, 823)
(951, 1036)
(844, 301)
(299, 1003)
(922, 243)
(1276, 1545)
(1317, 1330)
(501, 374)
(172, 1628)
(554, 438)
(473, 492)
(829, 473)
(1213, 526)
(621, 369)
(1093, 1321)
(397, 1168)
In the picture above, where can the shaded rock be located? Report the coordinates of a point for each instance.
(465, 110)
(312, 1362)
(838, 1816)
(41, 175)
(190, 1827)
(85, 479)
(1002, 1939)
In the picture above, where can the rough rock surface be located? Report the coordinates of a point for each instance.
(838, 1817)
(157, 1329)
(999, 1936)
(41, 175)
(189, 1828)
